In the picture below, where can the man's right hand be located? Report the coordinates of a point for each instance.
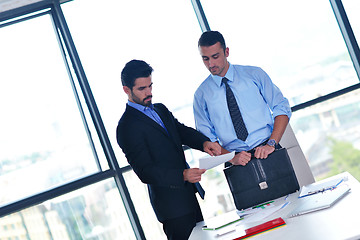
(242, 158)
(193, 175)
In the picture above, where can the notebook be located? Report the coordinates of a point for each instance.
(319, 201)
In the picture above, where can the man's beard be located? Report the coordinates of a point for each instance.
(142, 102)
(147, 103)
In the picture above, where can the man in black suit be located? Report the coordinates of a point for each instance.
(152, 141)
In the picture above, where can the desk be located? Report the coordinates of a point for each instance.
(340, 221)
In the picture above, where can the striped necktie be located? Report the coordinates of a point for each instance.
(238, 122)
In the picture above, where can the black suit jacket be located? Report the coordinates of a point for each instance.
(157, 157)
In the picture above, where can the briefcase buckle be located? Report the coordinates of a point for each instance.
(263, 185)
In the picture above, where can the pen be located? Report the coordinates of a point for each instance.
(263, 204)
(223, 233)
(207, 228)
(323, 189)
(339, 182)
(217, 228)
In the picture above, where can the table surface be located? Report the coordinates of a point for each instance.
(341, 221)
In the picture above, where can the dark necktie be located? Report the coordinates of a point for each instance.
(238, 122)
(200, 190)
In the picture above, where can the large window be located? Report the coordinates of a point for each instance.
(299, 45)
(43, 140)
(302, 49)
(46, 143)
(330, 135)
(94, 212)
(110, 34)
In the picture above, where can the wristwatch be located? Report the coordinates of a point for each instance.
(271, 143)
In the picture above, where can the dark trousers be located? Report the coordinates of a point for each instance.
(180, 228)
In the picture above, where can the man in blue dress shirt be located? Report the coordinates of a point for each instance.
(264, 109)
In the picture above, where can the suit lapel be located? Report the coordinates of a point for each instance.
(171, 129)
(141, 116)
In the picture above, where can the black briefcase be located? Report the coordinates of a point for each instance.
(262, 180)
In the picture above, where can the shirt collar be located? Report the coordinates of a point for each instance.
(229, 75)
(140, 107)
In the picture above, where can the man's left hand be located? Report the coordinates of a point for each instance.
(212, 148)
(263, 151)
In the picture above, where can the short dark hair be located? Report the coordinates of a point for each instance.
(133, 70)
(210, 38)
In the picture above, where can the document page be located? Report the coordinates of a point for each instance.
(213, 161)
(221, 220)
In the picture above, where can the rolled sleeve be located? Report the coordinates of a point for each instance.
(282, 109)
(278, 104)
(202, 120)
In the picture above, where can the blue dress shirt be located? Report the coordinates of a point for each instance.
(148, 111)
(259, 100)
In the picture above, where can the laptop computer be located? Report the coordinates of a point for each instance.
(319, 201)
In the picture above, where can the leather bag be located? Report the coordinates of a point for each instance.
(262, 180)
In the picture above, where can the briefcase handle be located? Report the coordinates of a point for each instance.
(252, 151)
(258, 169)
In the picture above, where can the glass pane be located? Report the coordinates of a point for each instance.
(139, 195)
(6, 5)
(163, 33)
(43, 140)
(299, 44)
(352, 9)
(218, 197)
(92, 213)
(329, 135)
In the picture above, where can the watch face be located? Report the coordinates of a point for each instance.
(271, 142)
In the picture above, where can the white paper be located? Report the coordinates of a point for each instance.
(222, 220)
(213, 161)
(263, 213)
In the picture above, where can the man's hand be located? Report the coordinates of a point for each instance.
(241, 158)
(212, 148)
(263, 151)
(193, 175)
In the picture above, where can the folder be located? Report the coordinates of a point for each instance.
(270, 225)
